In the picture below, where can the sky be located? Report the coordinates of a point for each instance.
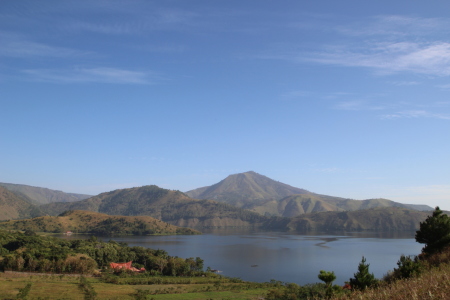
(342, 98)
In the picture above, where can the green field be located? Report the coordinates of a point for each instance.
(66, 287)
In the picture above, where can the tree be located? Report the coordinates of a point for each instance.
(434, 232)
(363, 278)
(327, 277)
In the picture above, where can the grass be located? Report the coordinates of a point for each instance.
(66, 287)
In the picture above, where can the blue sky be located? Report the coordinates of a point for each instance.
(343, 98)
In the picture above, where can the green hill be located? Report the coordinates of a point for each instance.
(96, 223)
(13, 206)
(265, 196)
(169, 206)
(39, 195)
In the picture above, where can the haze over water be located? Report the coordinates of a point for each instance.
(262, 256)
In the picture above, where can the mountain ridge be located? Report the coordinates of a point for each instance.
(40, 195)
(170, 206)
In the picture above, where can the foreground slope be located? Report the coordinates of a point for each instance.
(13, 206)
(266, 196)
(96, 223)
(169, 206)
(39, 195)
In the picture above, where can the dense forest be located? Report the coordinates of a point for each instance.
(30, 252)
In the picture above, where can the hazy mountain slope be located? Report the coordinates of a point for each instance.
(39, 195)
(13, 206)
(245, 189)
(380, 219)
(170, 206)
(97, 223)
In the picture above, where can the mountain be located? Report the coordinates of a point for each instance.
(268, 197)
(178, 209)
(96, 223)
(169, 206)
(246, 189)
(376, 219)
(13, 206)
(39, 195)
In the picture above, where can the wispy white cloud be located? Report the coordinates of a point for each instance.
(404, 83)
(384, 44)
(87, 75)
(413, 114)
(113, 28)
(388, 58)
(394, 26)
(359, 105)
(13, 45)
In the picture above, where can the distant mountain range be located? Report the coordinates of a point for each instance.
(240, 200)
(169, 206)
(266, 196)
(38, 195)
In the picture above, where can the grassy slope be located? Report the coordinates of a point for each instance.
(91, 222)
(38, 195)
(432, 283)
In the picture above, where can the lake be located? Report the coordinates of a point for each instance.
(288, 257)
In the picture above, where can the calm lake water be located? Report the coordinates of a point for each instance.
(288, 257)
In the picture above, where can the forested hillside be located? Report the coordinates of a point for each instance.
(96, 223)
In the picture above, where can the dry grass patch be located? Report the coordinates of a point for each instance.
(432, 284)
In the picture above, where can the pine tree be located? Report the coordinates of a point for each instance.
(434, 232)
(363, 278)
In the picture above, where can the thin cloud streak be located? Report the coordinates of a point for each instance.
(388, 58)
(391, 44)
(87, 75)
(414, 114)
(15, 46)
(395, 26)
(358, 105)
